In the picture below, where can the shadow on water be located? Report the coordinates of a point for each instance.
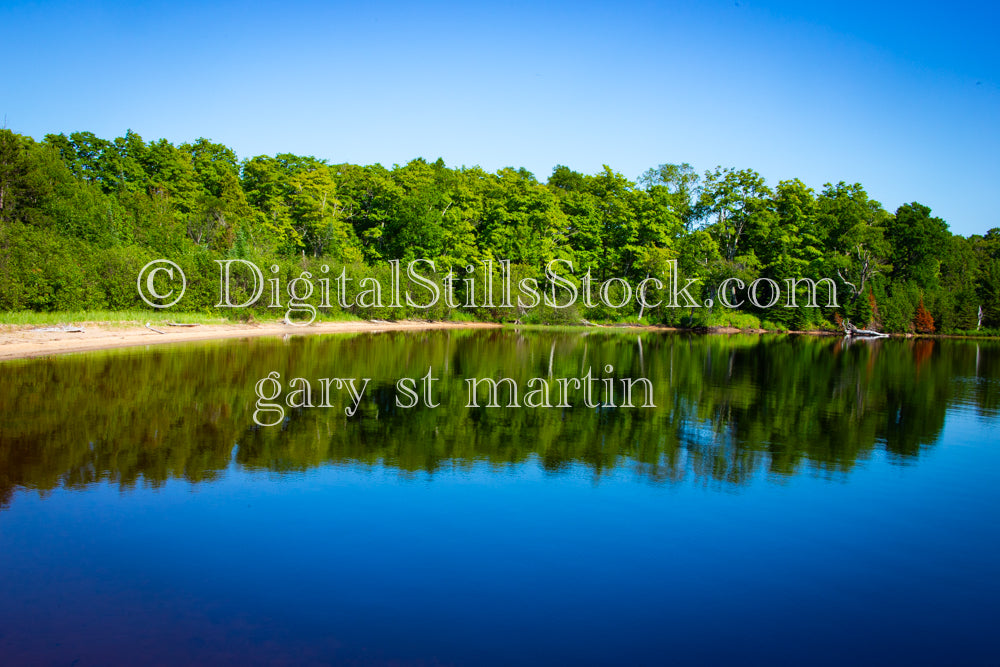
(727, 407)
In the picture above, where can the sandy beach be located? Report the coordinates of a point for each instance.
(18, 342)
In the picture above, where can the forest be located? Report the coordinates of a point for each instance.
(81, 215)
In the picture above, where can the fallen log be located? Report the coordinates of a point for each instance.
(66, 329)
(851, 330)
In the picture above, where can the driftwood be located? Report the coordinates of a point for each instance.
(152, 329)
(851, 330)
(182, 324)
(66, 329)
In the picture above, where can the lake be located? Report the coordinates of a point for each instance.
(788, 500)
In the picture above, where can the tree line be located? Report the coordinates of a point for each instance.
(80, 215)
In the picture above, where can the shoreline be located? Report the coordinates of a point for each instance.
(26, 342)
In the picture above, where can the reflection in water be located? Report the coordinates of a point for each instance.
(495, 536)
(727, 407)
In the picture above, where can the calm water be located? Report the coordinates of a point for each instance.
(787, 501)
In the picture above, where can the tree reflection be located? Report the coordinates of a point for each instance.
(728, 407)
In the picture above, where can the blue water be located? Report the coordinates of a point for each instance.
(473, 561)
(479, 564)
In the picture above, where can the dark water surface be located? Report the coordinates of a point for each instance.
(787, 501)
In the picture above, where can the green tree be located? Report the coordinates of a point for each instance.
(737, 203)
(917, 241)
(680, 183)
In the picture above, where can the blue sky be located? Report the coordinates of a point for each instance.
(903, 98)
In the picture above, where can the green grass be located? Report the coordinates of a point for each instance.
(985, 332)
(29, 318)
(140, 317)
(726, 318)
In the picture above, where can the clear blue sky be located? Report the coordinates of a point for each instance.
(904, 98)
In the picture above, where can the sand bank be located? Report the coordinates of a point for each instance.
(31, 341)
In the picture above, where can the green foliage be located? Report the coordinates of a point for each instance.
(79, 215)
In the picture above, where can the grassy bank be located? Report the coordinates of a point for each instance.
(139, 317)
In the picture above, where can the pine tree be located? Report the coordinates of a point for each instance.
(874, 319)
(923, 322)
